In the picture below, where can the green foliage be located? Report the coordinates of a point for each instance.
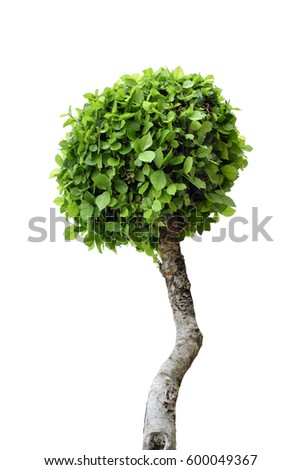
(153, 146)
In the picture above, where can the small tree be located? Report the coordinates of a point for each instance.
(149, 162)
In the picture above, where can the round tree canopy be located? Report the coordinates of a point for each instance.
(154, 147)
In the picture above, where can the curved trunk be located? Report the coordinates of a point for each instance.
(160, 416)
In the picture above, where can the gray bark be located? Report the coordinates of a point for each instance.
(160, 416)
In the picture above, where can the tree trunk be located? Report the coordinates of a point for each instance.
(160, 416)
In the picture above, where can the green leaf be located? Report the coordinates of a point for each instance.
(167, 158)
(55, 172)
(125, 150)
(143, 188)
(181, 186)
(113, 202)
(59, 201)
(129, 81)
(216, 217)
(124, 212)
(200, 228)
(158, 179)
(146, 169)
(226, 200)
(230, 172)
(70, 233)
(147, 127)
(112, 226)
(172, 189)
(140, 176)
(89, 197)
(177, 160)
(163, 135)
(147, 214)
(228, 126)
(170, 116)
(89, 96)
(86, 210)
(59, 160)
(89, 240)
(138, 95)
(102, 181)
(145, 142)
(69, 121)
(156, 205)
(225, 153)
(195, 126)
(103, 200)
(196, 115)
(115, 146)
(228, 212)
(206, 127)
(159, 157)
(75, 192)
(120, 95)
(147, 156)
(113, 161)
(178, 73)
(213, 197)
(197, 182)
(208, 79)
(72, 209)
(121, 186)
(147, 106)
(188, 84)
(165, 197)
(187, 164)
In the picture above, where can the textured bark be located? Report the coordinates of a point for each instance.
(160, 416)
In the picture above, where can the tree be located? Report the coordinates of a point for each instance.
(149, 162)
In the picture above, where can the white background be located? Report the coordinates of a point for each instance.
(83, 334)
